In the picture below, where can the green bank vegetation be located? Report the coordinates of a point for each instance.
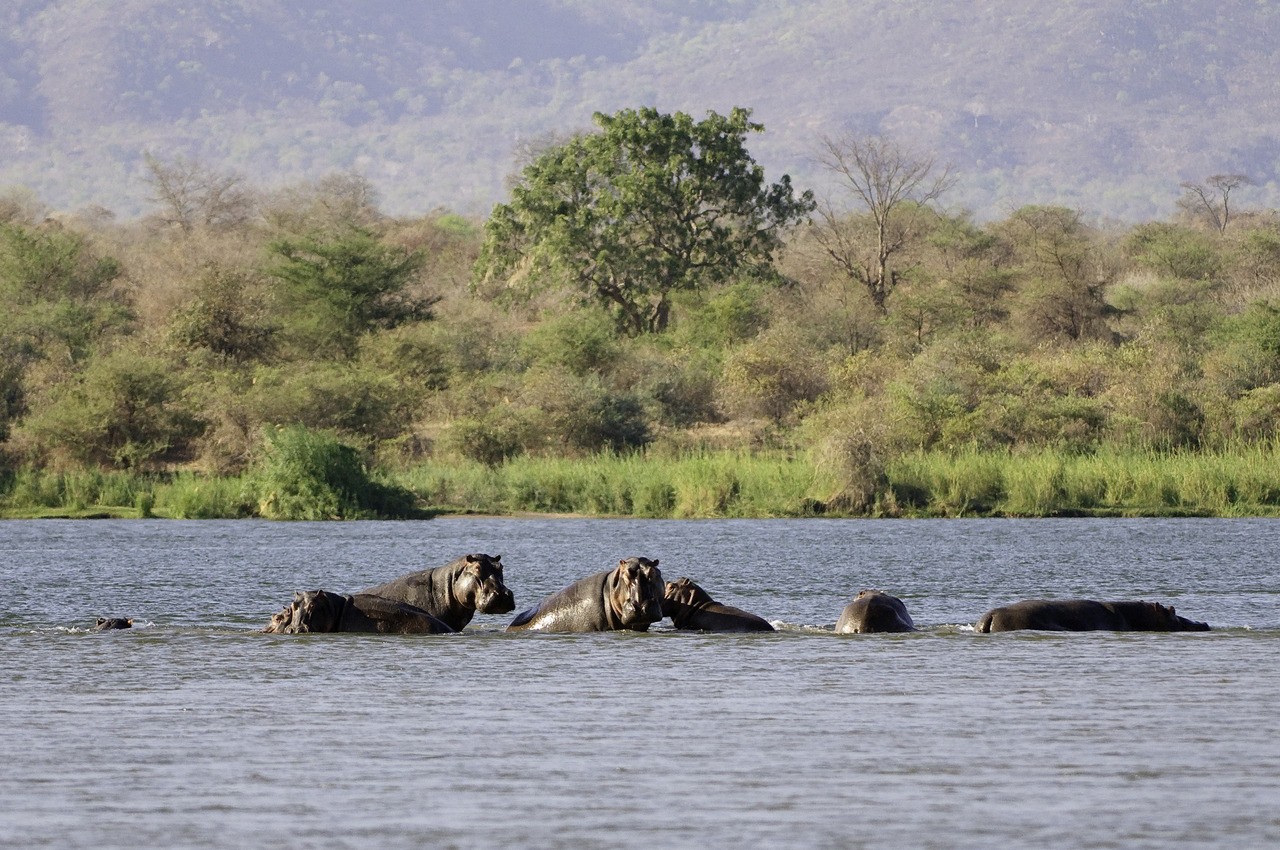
(663, 337)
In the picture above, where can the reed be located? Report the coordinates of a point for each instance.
(1237, 480)
(318, 480)
(627, 484)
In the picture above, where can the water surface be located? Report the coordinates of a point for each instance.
(193, 730)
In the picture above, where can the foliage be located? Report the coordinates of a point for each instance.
(650, 205)
(123, 411)
(310, 475)
(160, 373)
(342, 287)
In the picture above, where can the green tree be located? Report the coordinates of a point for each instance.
(125, 410)
(57, 301)
(649, 205)
(1065, 274)
(1175, 251)
(339, 288)
(57, 294)
(224, 318)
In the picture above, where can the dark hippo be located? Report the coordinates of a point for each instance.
(319, 611)
(1083, 615)
(106, 624)
(455, 592)
(629, 597)
(874, 611)
(691, 607)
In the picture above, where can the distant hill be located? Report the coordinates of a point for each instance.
(1105, 105)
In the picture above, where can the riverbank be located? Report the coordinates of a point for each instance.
(1240, 481)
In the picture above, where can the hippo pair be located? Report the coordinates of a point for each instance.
(873, 611)
(632, 596)
(434, 601)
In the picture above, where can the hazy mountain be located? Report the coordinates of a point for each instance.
(1102, 104)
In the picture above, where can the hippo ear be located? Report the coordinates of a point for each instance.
(497, 558)
(622, 562)
(655, 562)
(472, 559)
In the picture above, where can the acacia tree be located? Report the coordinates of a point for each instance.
(650, 204)
(1211, 199)
(895, 187)
(337, 289)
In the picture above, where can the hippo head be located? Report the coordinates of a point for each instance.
(316, 611)
(107, 623)
(1155, 617)
(1168, 617)
(683, 593)
(478, 585)
(637, 592)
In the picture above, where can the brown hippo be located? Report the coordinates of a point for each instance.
(874, 611)
(691, 607)
(106, 624)
(1083, 615)
(320, 611)
(627, 597)
(455, 592)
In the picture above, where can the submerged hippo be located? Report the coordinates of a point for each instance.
(319, 611)
(106, 624)
(627, 597)
(1083, 615)
(874, 611)
(455, 592)
(691, 607)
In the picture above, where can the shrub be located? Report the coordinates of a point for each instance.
(310, 475)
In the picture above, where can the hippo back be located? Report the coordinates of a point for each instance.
(874, 611)
(1082, 615)
(692, 608)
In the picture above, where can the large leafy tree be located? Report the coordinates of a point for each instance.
(648, 205)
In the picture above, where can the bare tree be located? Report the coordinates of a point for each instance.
(191, 195)
(895, 187)
(1211, 198)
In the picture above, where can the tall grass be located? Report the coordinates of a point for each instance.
(314, 479)
(634, 484)
(1239, 480)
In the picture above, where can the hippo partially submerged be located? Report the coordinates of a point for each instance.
(455, 592)
(320, 611)
(627, 597)
(874, 611)
(1083, 615)
(106, 624)
(691, 607)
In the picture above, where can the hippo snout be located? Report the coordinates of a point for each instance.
(500, 602)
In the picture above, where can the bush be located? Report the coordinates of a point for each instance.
(125, 411)
(309, 475)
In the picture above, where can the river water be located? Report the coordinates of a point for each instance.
(193, 730)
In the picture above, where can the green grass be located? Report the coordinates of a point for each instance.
(1241, 480)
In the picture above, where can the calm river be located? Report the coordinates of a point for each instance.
(192, 730)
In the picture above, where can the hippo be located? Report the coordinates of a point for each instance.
(106, 624)
(455, 592)
(691, 607)
(321, 611)
(874, 611)
(627, 597)
(1083, 615)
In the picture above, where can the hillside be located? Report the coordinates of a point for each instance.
(1097, 104)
